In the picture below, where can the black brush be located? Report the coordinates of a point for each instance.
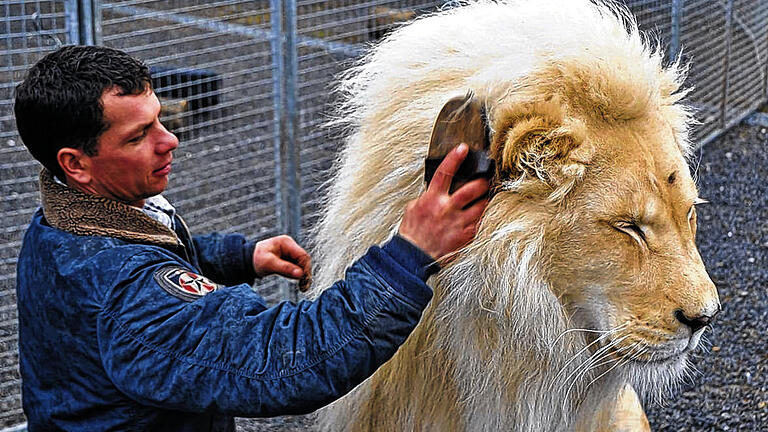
(461, 120)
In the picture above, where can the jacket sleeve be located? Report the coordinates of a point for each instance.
(226, 352)
(226, 258)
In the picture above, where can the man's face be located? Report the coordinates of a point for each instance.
(134, 153)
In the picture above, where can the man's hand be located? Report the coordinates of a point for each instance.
(438, 222)
(283, 256)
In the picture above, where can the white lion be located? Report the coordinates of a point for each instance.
(584, 281)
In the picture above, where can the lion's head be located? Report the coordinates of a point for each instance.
(600, 166)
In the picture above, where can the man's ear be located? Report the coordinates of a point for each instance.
(75, 164)
(536, 141)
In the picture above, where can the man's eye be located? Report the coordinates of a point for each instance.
(138, 138)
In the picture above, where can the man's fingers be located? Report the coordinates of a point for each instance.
(437, 221)
(473, 213)
(290, 249)
(305, 263)
(470, 232)
(300, 270)
(281, 255)
(305, 283)
(470, 192)
(441, 181)
(288, 269)
(306, 266)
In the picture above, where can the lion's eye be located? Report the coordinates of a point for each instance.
(633, 230)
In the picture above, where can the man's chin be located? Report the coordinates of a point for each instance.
(159, 186)
(155, 191)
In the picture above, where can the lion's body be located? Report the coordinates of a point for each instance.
(497, 348)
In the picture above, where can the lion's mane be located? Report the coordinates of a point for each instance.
(494, 350)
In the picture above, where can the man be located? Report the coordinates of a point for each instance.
(127, 322)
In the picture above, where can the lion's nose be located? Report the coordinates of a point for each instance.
(698, 322)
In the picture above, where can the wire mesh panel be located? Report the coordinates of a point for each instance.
(715, 37)
(654, 17)
(704, 48)
(30, 29)
(331, 35)
(746, 79)
(212, 68)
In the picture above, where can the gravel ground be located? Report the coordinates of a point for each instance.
(730, 392)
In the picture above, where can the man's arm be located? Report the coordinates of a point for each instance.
(225, 258)
(227, 352)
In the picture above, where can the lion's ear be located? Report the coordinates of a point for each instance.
(535, 140)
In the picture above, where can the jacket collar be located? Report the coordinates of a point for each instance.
(80, 213)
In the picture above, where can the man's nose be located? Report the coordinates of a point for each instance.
(167, 141)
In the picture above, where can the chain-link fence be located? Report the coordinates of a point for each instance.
(246, 84)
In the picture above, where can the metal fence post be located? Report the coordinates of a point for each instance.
(674, 39)
(726, 63)
(72, 19)
(292, 116)
(86, 22)
(765, 72)
(96, 20)
(83, 19)
(284, 60)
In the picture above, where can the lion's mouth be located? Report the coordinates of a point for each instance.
(643, 353)
(661, 360)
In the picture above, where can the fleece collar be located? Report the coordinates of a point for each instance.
(80, 213)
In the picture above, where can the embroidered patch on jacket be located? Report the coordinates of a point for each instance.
(184, 284)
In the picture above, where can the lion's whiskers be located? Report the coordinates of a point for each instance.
(621, 327)
(618, 362)
(588, 365)
(606, 333)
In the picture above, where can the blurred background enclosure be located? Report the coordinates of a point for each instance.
(246, 86)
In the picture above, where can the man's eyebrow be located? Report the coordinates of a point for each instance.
(139, 128)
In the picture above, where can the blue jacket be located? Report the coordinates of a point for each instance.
(126, 325)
